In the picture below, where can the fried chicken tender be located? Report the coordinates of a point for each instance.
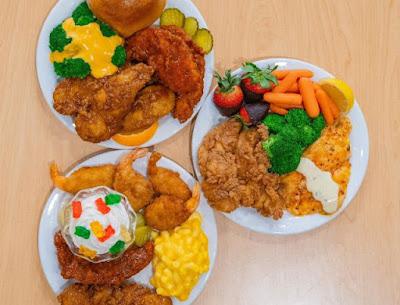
(166, 181)
(167, 212)
(100, 105)
(178, 62)
(83, 178)
(133, 185)
(113, 272)
(331, 152)
(152, 103)
(129, 294)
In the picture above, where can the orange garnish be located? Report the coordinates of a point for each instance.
(136, 139)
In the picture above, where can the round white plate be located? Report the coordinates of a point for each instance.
(49, 225)
(168, 126)
(209, 117)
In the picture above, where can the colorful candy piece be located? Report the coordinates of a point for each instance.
(101, 206)
(97, 229)
(107, 234)
(76, 209)
(87, 252)
(125, 234)
(82, 232)
(118, 247)
(113, 199)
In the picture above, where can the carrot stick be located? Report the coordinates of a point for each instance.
(323, 101)
(286, 83)
(294, 88)
(278, 110)
(281, 74)
(309, 99)
(282, 98)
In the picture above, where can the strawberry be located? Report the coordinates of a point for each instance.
(256, 81)
(245, 115)
(228, 96)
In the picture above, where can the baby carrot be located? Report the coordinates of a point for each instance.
(278, 110)
(283, 98)
(281, 74)
(334, 108)
(294, 88)
(290, 106)
(323, 102)
(286, 83)
(309, 99)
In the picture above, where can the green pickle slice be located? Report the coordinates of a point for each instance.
(142, 235)
(172, 16)
(204, 39)
(191, 26)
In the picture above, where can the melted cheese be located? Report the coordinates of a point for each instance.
(320, 184)
(89, 44)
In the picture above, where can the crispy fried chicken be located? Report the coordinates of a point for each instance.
(178, 62)
(100, 105)
(129, 294)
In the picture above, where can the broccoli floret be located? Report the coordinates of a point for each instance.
(72, 67)
(105, 29)
(290, 133)
(274, 122)
(82, 15)
(58, 39)
(297, 118)
(318, 124)
(119, 56)
(307, 136)
(284, 156)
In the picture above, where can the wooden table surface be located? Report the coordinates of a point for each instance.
(353, 260)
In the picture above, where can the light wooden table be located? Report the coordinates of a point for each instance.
(353, 260)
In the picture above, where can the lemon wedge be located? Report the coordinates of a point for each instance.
(339, 92)
(136, 139)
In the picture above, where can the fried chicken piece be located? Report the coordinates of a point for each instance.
(129, 294)
(167, 212)
(133, 185)
(100, 105)
(108, 273)
(83, 178)
(178, 62)
(152, 103)
(166, 181)
(331, 152)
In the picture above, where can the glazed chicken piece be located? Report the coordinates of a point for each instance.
(133, 185)
(129, 294)
(178, 62)
(100, 105)
(83, 178)
(113, 272)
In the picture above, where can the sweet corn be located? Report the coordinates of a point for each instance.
(181, 256)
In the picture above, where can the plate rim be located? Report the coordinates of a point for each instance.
(358, 186)
(68, 171)
(110, 143)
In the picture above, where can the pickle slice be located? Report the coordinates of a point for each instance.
(142, 235)
(172, 16)
(191, 26)
(204, 39)
(140, 222)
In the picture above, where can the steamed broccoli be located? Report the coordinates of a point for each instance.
(274, 122)
(58, 39)
(82, 15)
(72, 67)
(318, 124)
(297, 118)
(119, 56)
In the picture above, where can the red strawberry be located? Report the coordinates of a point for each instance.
(245, 115)
(254, 87)
(228, 96)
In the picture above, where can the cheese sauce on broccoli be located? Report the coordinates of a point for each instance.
(89, 44)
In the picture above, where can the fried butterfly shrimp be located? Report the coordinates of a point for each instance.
(83, 178)
(165, 181)
(132, 184)
(167, 212)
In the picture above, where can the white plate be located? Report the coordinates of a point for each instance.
(168, 126)
(49, 225)
(209, 117)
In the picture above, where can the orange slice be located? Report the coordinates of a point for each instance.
(136, 139)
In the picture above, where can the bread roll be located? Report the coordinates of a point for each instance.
(127, 16)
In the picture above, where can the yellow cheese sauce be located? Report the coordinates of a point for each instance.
(320, 184)
(89, 44)
(181, 256)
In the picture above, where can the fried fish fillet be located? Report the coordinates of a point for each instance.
(83, 178)
(100, 105)
(331, 152)
(129, 294)
(178, 62)
(108, 273)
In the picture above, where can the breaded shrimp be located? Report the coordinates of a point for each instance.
(132, 184)
(167, 212)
